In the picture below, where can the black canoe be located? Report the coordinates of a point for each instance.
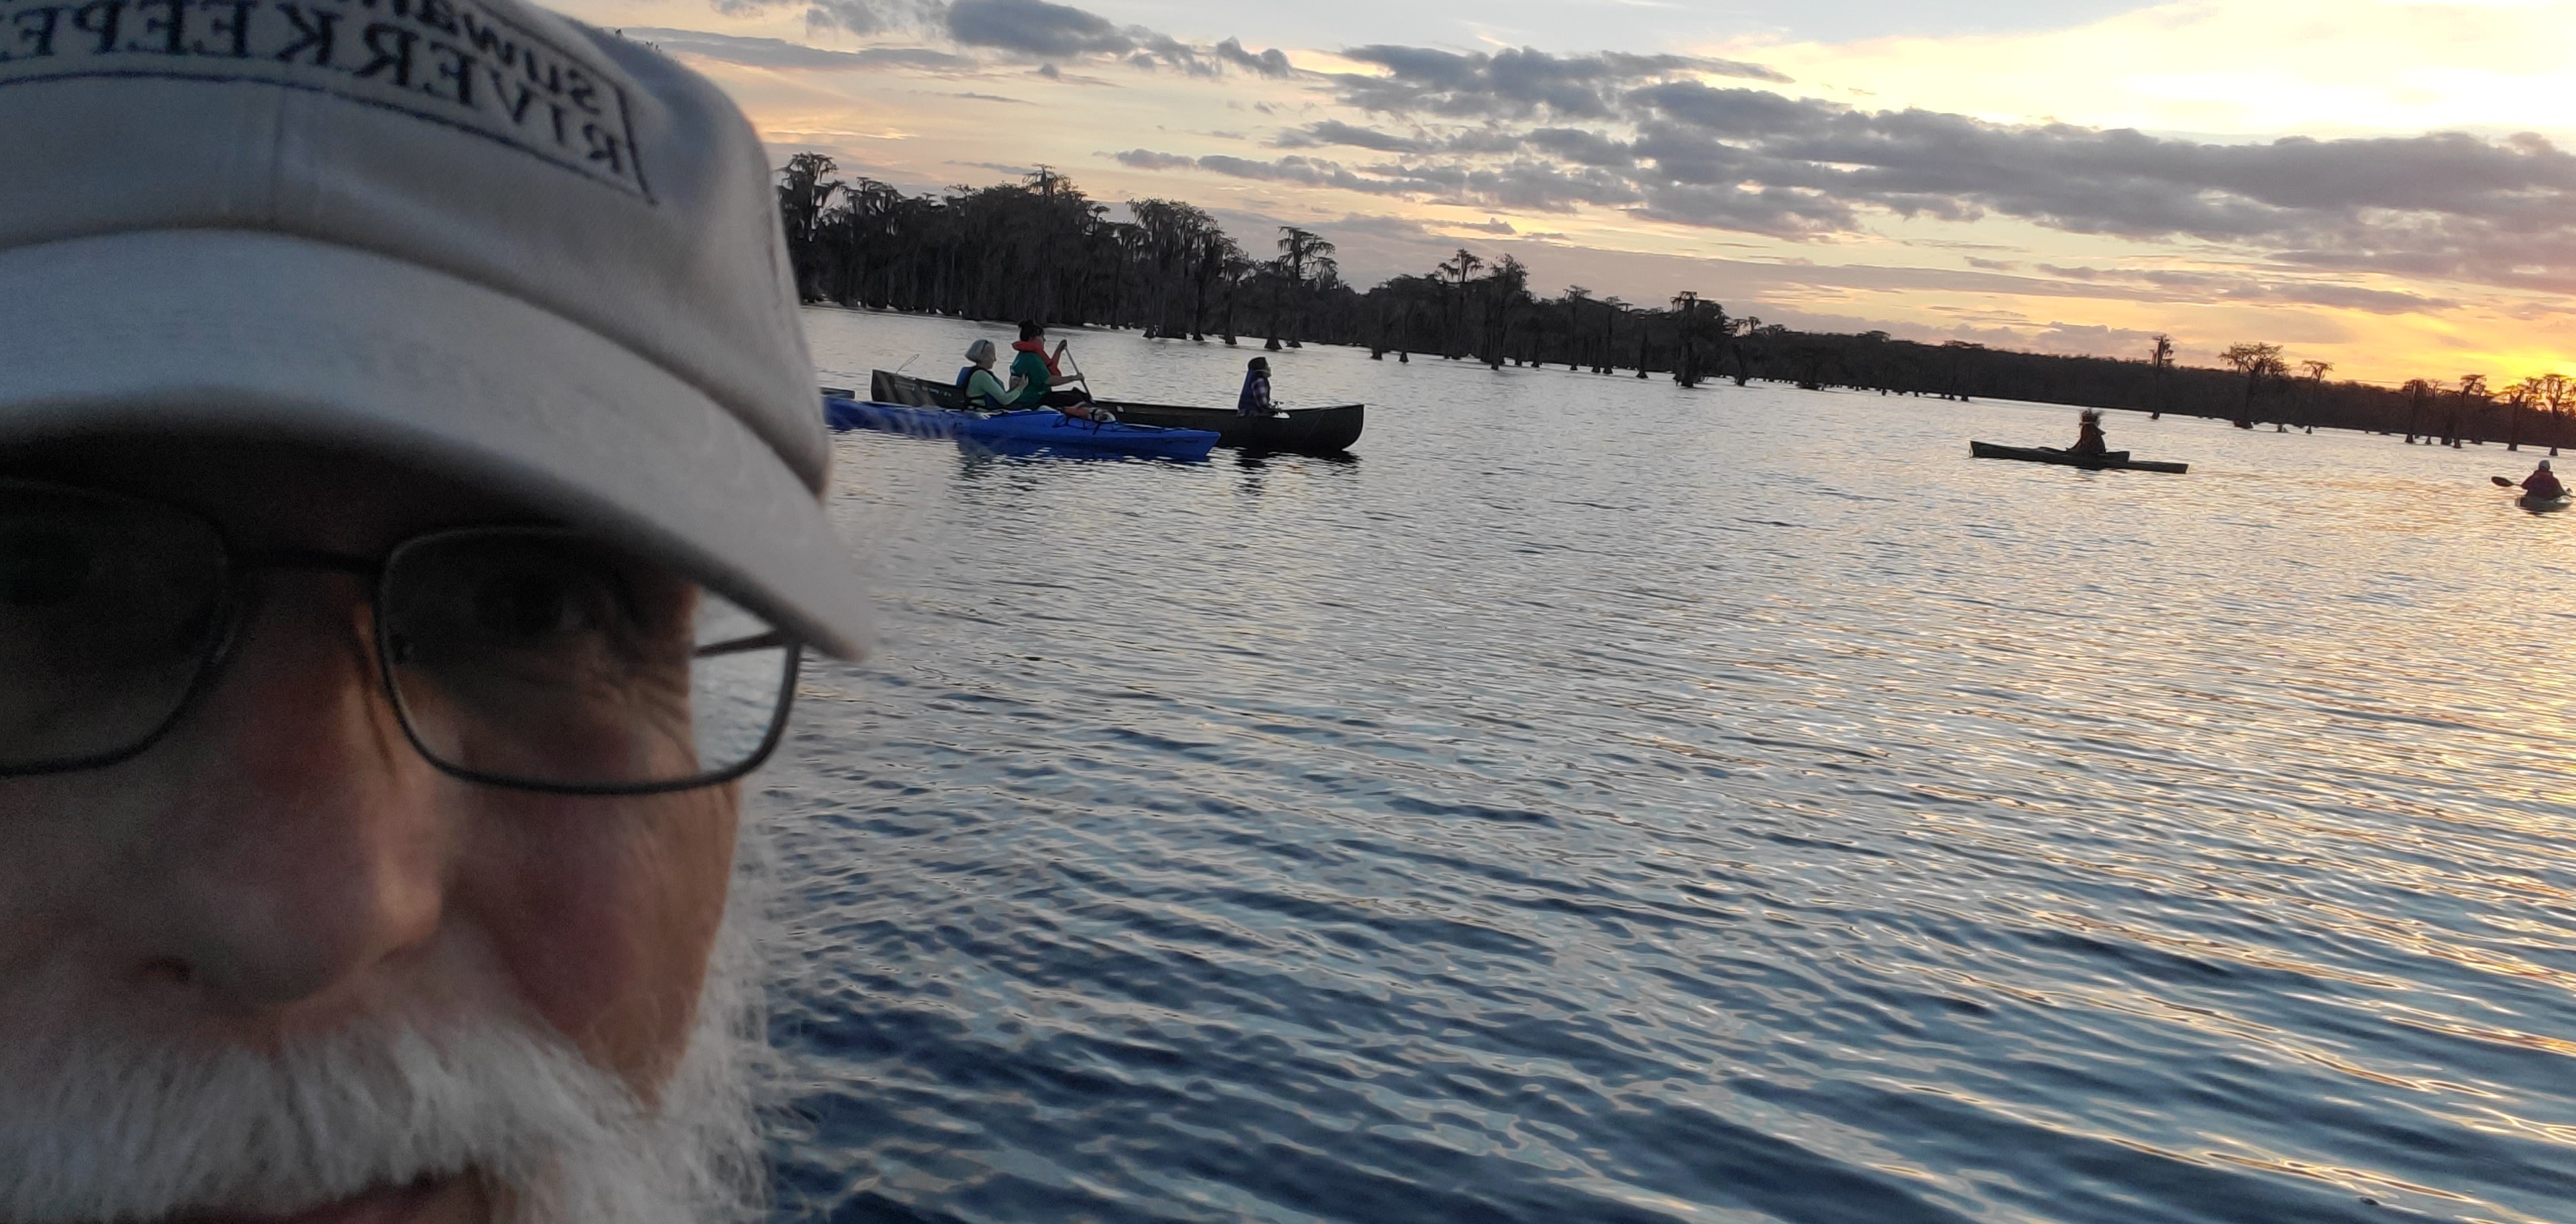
(2112, 460)
(1306, 431)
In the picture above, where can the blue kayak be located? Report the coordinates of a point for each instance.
(1039, 429)
(844, 414)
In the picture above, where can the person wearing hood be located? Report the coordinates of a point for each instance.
(2544, 484)
(1255, 400)
(982, 389)
(2089, 442)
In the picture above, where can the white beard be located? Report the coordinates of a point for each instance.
(95, 1127)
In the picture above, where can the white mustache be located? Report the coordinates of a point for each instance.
(102, 1132)
(98, 1130)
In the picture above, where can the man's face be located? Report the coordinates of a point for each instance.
(282, 936)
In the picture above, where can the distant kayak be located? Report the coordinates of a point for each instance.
(1033, 431)
(2111, 460)
(2545, 505)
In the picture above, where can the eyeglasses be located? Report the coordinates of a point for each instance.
(525, 657)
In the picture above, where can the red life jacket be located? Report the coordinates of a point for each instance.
(1038, 347)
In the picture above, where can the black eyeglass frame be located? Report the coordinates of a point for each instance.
(232, 608)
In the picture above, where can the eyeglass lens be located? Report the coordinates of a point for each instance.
(541, 658)
(108, 611)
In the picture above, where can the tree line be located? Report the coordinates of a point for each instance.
(1040, 249)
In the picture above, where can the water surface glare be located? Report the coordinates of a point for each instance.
(1600, 801)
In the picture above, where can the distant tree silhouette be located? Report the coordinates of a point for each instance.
(2518, 400)
(1460, 269)
(2556, 393)
(1303, 257)
(2258, 363)
(2162, 359)
(1686, 369)
(2419, 393)
(2471, 403)
(2317, 371)
(805, 190)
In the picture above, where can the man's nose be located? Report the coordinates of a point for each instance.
(307, 846)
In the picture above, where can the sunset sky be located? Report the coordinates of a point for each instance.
(2377, 183)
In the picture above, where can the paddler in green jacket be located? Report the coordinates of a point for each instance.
(1034, 378)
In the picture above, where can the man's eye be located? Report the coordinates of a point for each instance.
(42, 569)
(529, 606)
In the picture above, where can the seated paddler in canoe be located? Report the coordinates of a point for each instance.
(1039, 382)
(1255, 400)
(977, 384)
(2089, 440)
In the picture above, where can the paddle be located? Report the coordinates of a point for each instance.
(2502, 483)
(1067, 347)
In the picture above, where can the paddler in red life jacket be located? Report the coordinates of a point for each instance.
(1035, 378)
(2089, 442)
(2543, 484)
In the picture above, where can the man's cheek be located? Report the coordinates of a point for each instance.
(57, 850)
(604, 913)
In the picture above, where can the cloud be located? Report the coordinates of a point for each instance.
(1336, 132)
(1270, 63)
(1035, 28)
(779, 53)
(1582, 148)
(1040, 29)
(865, 18)
(2195, 286)
(1332, 132)
(1018, 29)
(2350, 196)
(1525, 185)
(1147, 159)
(1643, 133)
(1514, 84)
(860, 17)
(1311, 172)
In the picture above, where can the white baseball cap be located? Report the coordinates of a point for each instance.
(469, 233)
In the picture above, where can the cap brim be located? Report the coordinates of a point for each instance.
(246, 331)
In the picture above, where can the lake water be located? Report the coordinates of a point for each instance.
(1600, 801)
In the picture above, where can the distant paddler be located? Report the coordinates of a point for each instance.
(2543, 484)
(1255, 400)
(2089, 442)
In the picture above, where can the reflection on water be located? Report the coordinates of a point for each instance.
(1598, 801)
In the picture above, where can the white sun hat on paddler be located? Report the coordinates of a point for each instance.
(469, 233)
